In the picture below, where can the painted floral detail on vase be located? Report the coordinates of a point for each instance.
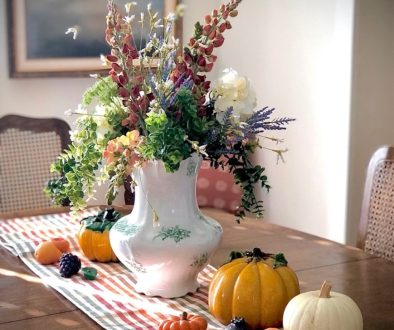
(200, 260)
(123, 227)
(137, 266)
(191, 167)
(176, 233)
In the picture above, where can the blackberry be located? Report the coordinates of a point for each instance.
(69, 265)
(238, 323)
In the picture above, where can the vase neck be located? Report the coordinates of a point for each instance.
(167, 193)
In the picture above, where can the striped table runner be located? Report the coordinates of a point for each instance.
(110, 300)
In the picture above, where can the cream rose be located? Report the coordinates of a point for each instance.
(233, 90)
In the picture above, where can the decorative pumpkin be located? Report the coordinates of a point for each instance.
(322, 309)
(93, 236)
(185, 322)
(256, 286)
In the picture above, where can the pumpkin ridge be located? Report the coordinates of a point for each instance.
(275, 303)
(222, 287)
(246, 305)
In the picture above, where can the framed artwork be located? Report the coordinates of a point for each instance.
(39, 47)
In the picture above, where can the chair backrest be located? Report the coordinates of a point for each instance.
(27, 148)
(216, 188)
(376, 230)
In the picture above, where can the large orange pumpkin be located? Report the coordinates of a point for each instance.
(93, 236)
(256, 286)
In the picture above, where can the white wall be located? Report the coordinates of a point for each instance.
(372, 123)
(298, 55)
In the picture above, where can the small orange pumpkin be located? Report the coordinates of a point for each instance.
(185, 322)
(93, 236)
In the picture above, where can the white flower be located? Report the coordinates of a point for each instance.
(158, 24)
(129, 5)
(171, 17)
(103, 127)
(129, 19)
(169, 85)
(104, 61)
(81, 110)
(99, 110)
(233, 90)
(180, 10)
(73, 135)
(74, 30)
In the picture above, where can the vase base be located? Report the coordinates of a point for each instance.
(176, 292)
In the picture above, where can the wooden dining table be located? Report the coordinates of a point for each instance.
(25, 303)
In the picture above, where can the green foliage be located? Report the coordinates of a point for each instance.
(54, 189)
(102, 221)
(189, 120)
(197, 30)
(77, 165)
(114, 115)
(165, 141)
(247, 175)
(103, 91)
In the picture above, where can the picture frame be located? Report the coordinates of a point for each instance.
(39, 47)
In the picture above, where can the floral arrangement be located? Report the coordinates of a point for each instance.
(156, 103)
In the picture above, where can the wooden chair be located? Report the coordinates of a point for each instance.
(376, 231)
(27, 148)
(216, 188)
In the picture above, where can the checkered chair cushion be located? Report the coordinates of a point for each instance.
(216, 188)
(27, 148)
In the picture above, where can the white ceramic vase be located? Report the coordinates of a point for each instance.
(166, 241)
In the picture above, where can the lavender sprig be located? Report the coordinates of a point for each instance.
(260, 121)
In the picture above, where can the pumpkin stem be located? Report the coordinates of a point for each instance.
(325, 290)
(257, 253)
(184, 316)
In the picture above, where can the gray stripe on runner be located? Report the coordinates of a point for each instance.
(75, 300)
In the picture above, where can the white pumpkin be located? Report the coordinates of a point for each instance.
(322, 310)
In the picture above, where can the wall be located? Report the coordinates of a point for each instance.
(298, 56)
(372, 123)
